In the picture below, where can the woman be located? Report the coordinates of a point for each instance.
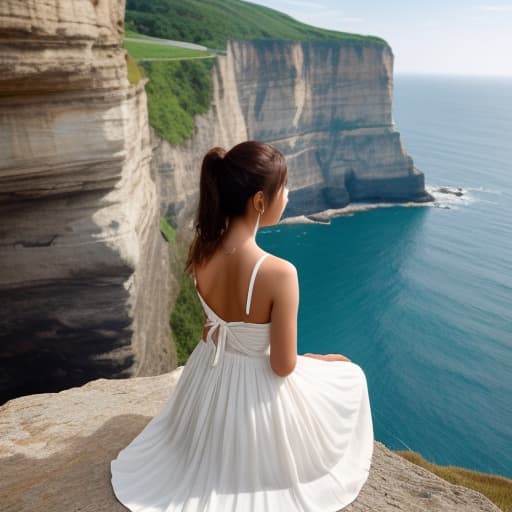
(251, 425)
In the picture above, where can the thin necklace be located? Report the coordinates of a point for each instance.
(228, 252)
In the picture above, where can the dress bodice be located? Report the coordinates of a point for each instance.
(247, 338)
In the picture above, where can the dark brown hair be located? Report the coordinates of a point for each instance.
(227, 181)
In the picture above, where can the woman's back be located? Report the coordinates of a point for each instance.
(224, 283)
(255, 287)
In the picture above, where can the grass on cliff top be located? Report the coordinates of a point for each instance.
(212, 22)
(134, 35)
(150, 50)
(176, 90)
(497, 488)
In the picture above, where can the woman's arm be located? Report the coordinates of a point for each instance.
(285, 306)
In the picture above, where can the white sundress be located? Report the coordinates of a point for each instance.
(234, 436)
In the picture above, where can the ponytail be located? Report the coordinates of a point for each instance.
(210, 221)
(227, 182)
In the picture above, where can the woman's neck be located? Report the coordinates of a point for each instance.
(238, 235)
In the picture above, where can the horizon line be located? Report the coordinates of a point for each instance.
(443, 73)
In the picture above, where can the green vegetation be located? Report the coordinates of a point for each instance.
(160, 51)
(134, 35)
(167, 230)
(212, 22)
(177, 91)
(187, 320)
(134, 72)
(497, 488)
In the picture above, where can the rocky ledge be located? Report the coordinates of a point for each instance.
(56, 448)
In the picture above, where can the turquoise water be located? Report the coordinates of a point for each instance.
(421, 297)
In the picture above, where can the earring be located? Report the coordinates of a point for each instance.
(257, 223)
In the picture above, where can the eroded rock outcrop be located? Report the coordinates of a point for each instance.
(326, 104)
(56, 448)
(83, 273)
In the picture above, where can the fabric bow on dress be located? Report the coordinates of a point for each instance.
(222, 327)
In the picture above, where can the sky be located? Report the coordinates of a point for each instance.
(456, 37)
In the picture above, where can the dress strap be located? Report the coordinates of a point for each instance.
(251, 284)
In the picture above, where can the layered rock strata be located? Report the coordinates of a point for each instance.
(83, 273)
(326, 105)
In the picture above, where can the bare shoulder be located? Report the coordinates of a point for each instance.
(280, 276)
(279, 268)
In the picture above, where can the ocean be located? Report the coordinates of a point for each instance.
(421, 297)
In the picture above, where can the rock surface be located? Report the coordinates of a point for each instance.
(82, 257)
(56, 448)
(326, 105)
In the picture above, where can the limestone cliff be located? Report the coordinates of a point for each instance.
(56, 448)
(82, 258)
(84, 274)
(326, 104)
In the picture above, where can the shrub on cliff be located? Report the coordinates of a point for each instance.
(187, 320)
(177, 91)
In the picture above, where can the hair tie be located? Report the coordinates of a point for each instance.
(215, 156)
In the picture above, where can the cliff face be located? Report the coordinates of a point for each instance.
(179, 165)
(326, 105)
(56, 448)
(84, 274)
(80, 248)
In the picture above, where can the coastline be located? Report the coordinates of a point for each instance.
(442, 197)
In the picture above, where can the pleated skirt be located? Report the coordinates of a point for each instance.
(238, 437)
